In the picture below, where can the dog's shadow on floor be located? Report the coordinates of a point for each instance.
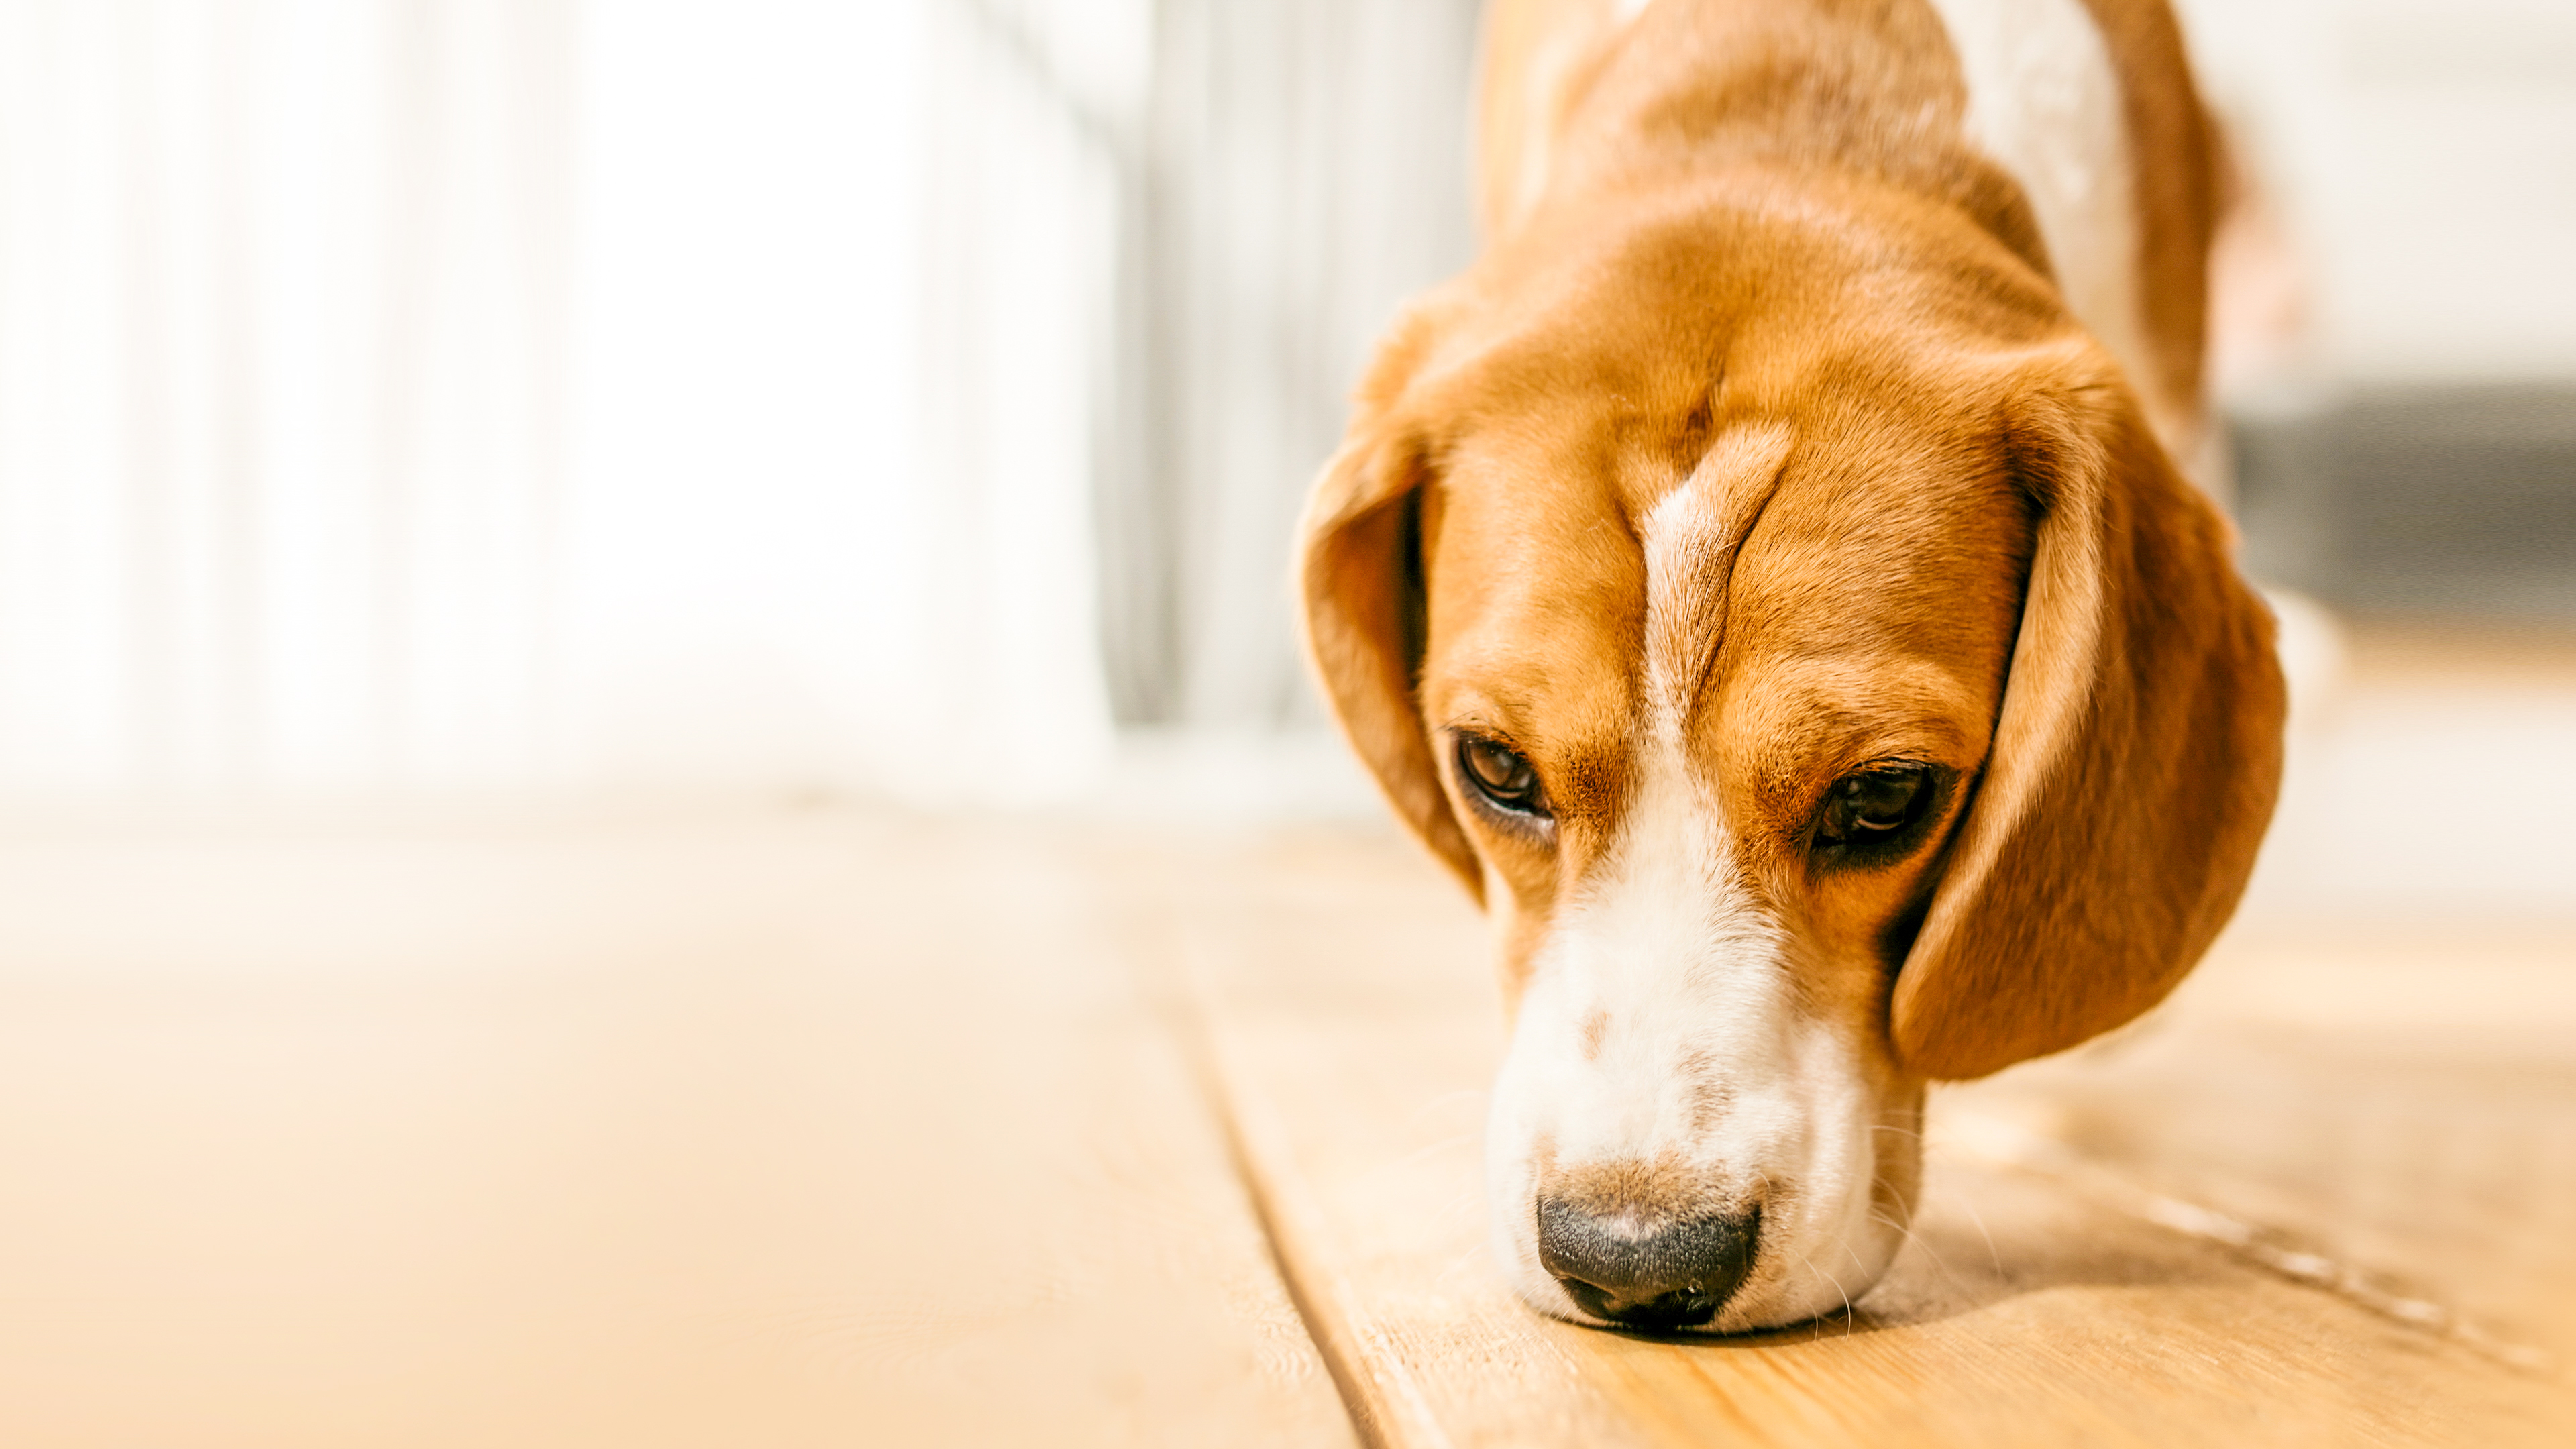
(1976, 1249)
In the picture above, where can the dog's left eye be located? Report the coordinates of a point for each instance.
(1501, 774)
(1874, 805)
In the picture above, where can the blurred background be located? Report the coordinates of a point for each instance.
(893, 414)
(913, 399)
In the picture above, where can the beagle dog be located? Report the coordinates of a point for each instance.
(1765, 579)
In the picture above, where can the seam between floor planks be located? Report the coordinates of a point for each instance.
(1384, 1400)
(2007, 1145)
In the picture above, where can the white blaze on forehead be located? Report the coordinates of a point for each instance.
(1661, 1022)
(1690, 542)
(1663, 938)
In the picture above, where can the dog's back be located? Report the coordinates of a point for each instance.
(2071, 127)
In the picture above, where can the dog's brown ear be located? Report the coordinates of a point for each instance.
(2134, 763)
(1362, 577)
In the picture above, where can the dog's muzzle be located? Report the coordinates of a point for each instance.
(1646, 1275)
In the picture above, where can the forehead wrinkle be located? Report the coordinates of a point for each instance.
(1690, 541)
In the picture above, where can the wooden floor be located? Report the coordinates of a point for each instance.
(2227, 1228)
(824, 1127)
(769, 1131)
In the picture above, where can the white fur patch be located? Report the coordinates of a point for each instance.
(1690, 540)
(2044, 103)
(1661, 1022)
(1706, 1058)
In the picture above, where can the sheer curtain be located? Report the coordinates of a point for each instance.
(1303, 171)
(407, 396)
(282, 426)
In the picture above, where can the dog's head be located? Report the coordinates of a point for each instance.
(1783, 621)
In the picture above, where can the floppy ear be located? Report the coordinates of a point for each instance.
(2134, 763)
(1362, 578)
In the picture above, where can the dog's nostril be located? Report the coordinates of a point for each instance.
(1670, 1275)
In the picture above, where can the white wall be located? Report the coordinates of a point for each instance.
(2424, 152)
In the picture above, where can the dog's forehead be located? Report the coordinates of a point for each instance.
(1858, 557)
(1871, 614)
(1589, 516)
(1607, 529)
(1890, 509)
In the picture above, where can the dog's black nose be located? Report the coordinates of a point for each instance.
(1671, 1275)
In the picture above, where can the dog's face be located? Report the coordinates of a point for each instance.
(1708, 771)
(1766, 618)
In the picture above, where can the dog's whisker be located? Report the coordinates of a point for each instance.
(1907, 1234)
(1838, 1288)
(1992, 1255)
(1441, 1280)
(1867, 1278)
(1458, 1206)
(1428, 1149)
(1425, 1109)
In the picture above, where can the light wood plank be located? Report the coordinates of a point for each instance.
(762, 1131)
(2399, 1105)
(1354, 1033)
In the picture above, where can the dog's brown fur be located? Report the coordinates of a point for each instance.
(1757, 225)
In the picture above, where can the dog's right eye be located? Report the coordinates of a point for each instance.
(1874, 805)
(1503, 775)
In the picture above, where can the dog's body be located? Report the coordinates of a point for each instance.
(1765, 581)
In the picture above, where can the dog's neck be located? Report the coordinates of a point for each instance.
(2007, 111)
